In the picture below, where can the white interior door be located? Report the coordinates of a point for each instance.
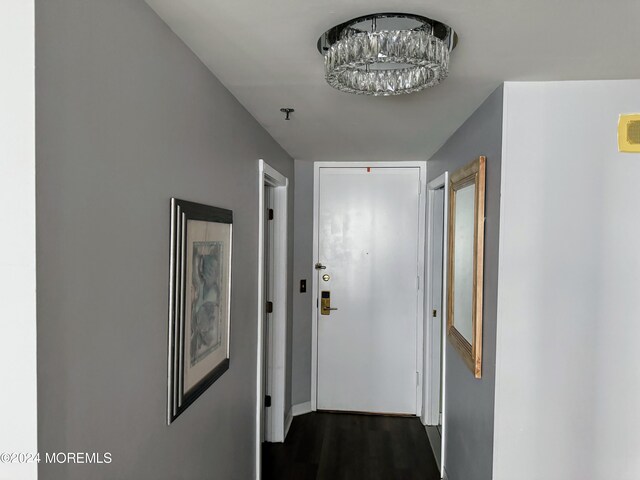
(267, 313)
(437, 259)
(435, 324)
(368, 241)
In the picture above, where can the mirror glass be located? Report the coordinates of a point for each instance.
(463, 261)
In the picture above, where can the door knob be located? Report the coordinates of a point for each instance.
(320, 266)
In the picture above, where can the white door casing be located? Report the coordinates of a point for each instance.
(276, 363)
(435, 327)
(369, 233)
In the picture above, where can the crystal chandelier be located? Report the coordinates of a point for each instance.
(387, 54)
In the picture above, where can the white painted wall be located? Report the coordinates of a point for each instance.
(568, 362)
(18, 402)
(303, 305)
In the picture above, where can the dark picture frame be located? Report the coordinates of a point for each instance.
(199, 301)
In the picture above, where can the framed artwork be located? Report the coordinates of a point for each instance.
(199, 301)
(466, 262)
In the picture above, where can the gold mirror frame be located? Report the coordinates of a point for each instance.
(471, 353)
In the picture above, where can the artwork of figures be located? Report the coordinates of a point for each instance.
(199, 301)
(206, 334)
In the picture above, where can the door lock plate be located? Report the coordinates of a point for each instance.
(325, 303)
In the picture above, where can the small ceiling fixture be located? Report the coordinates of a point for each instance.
(287, 112)
(385, 54)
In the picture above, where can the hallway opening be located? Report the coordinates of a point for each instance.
(340, 446)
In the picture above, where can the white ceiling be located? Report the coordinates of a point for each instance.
(264, 52)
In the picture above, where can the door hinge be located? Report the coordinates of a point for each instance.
(269, 307)
(267, 401)
(271, 214)
(418, 379)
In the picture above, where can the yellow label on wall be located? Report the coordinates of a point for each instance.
(629, 133)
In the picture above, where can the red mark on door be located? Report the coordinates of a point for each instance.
(368, 169)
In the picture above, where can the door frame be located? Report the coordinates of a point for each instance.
(275, 428)
(433, 347)
(422, 165)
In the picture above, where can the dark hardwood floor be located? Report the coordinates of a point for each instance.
(336, 446)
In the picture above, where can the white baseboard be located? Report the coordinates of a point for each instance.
(301, 409)
(287, 424)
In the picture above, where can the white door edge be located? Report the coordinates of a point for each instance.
(422, 165)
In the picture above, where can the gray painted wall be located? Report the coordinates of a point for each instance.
(470, 401)
(127, 117)
(302, 269)
(568, 382)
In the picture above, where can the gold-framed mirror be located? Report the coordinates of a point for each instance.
(466, 262)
